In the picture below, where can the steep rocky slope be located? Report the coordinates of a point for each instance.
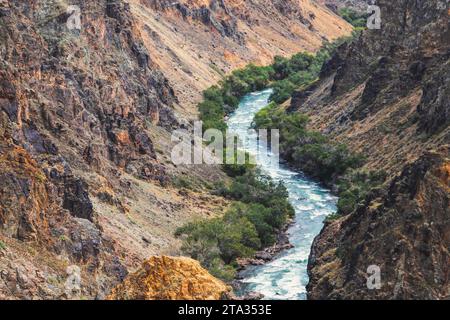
(387, 95)
(86, 188)
(82, 181)
(402, 229)
(196, 41)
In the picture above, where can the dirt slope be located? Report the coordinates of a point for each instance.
(196, 42)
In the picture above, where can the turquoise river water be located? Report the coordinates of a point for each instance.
(285, 278)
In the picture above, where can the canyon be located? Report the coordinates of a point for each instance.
(88, 190)
(85, 121)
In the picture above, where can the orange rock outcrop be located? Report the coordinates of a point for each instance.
(169, 278)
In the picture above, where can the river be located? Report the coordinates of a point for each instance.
(284, 278)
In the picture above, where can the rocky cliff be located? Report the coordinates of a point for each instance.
(387, 96)
(82, 182)
(195, 42)
(336, 5)
(86, 112)
(402, 229)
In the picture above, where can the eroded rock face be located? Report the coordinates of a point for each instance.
(336, 5)
(384, 96)
(168, 278)
(40, 238)
(25, 205)
(404, 231)
(434, 108)
(70, 100)
(409, 52)
(76, 199)
(215, 14)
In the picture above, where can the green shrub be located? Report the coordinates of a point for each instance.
(303, 78)
(2, 246)
(214, 94)
(273, 117)
(249, 225)
(280, 67)
(254, 189)
(325, 161)
(231, 166)
(309, 151)
(282, 91)
(300, 70)
(332, 217)
(354, 187)
(222, 271)
(300, 61)
(227, 238)
(261, 218)
(355, 18)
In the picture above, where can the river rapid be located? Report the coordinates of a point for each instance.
(284, 278)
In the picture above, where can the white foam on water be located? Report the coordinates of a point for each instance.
(304, 207)
(286, 276)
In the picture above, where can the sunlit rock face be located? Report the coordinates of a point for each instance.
(168, 278)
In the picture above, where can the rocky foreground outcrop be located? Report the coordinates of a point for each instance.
(387, 96)
(169, 278)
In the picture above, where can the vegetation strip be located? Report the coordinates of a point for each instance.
(261, 207)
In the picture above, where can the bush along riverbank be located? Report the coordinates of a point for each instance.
(318, 157)
(284, 76)
(308, 151)
(261, 210)
(259, 213)
(355, 18)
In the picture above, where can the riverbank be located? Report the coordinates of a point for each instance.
(280, 272)
(269, 253)
(261, 258)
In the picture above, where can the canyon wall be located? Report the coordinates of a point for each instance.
(196, 42)
(386, 95)
(357, 5)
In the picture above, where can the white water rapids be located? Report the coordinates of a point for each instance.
(285, 278)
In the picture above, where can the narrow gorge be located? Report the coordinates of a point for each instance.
(92, 205)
